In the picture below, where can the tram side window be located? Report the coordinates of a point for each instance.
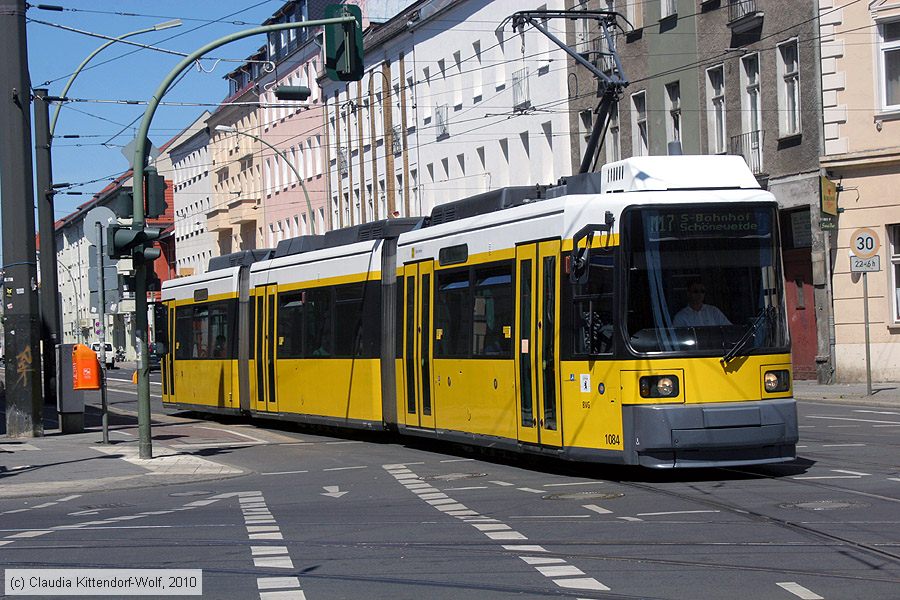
(290, 324)
(398, 324)
(348, 304)
(452, 314)
(318, 336)
(221, 330)
(370, 337)
(184, 318)
(591, 322)
(493, 313)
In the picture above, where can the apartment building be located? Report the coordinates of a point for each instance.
(453, 102)
(860, 57)
(194, 243)
(726, 77)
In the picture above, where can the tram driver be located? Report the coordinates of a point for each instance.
(697, 313)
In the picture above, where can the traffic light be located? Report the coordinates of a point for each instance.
(344, 44)
(124, 242)
(155, 184)
(292, 92)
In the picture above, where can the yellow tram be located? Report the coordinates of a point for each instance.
(635, 316)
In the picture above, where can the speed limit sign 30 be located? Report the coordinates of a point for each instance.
(864, 243)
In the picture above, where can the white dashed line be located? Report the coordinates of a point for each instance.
(859, 420)
(632, 519)
(569, 484)
(284, 472)
(345, 468)
(675, 512)
(597, 509)
(453, 460)
(842, 445)
(555, 569)
(799, 591)
(850, 472)
(878, 412)
(531, 490)
(827, 477)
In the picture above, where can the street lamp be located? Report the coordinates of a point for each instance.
(77, 293)
(230, 129)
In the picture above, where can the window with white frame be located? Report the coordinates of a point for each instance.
(634, 12)
(673, 112)
(667, 8)
(750, 100)
(788, 88)
(715, 101)
(889, 67)
(640, 140)
(476, 72)
(894, 235)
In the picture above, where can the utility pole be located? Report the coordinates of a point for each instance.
(49, 295)
(20, 298)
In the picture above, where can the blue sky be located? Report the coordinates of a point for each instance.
(128, 73)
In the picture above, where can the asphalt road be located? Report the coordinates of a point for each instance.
(327, 517)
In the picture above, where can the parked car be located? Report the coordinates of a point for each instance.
(110, 354)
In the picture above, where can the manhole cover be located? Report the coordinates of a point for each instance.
(824, 505)
(189, 494)
(583, 496)
(452, 476)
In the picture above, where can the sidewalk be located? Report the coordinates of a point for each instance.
(883, 394)
(59, 464)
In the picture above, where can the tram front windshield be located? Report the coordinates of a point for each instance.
(703, 280)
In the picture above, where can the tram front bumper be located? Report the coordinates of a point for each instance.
(711, 435)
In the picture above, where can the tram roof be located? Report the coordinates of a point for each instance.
(658, 173)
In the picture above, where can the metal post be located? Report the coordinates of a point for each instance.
(145, 446)
(24, 406)
(50, 322)
(866, 321)
(101, 294)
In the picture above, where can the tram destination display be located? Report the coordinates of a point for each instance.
(713, 222)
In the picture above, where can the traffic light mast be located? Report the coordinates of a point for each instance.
(137, 242)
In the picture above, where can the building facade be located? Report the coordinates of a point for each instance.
(448, 107)
(194, 243)
(861, 93)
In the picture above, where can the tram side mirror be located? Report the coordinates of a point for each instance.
(580, 257)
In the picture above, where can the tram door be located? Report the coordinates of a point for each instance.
(417, 348)
(264, 350)
(537, 347)
(168, 359)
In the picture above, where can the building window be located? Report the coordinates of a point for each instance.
(667, 8)
(640, 145)
(613, 143)
(750, 100)
(634, 12)
(788, 89)
(894, 234)
(673, 113)
(715, 99)
(889, 34)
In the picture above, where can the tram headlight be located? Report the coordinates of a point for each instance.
(777, 381)
(659, 386)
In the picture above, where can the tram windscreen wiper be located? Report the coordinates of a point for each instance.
(764, 315)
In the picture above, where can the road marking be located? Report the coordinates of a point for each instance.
(343, 442)
(843, 426)
(550, 516)
(841, 445)
(28, 534)
(799, 591)
(568, 484)
(560, 572)
(461, 489)
(878, 412)
(284, 472)
(597, 509)
(453, 460)
(893, 478)
(345, 468)
(629, 519)
(233, 432)
(332, 491)
(850, 472)
(828, 477)
(849, 419)
(675, 512)
(897, 425)
(532, 490)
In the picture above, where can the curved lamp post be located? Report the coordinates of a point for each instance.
(312, 217)
(77, 291)
(157, 27)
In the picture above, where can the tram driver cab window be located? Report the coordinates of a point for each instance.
(592, 307)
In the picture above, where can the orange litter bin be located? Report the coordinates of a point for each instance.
(85, 368)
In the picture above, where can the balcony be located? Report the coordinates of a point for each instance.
(744, 15)
(750, 146)
(242, 210)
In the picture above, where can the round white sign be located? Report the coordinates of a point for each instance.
(864, 243)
